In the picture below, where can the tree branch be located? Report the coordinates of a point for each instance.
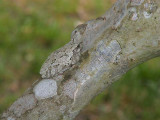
(99, 53)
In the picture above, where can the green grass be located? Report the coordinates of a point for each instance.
(31, 29)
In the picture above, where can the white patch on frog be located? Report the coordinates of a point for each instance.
(132, 9)
(147, 15)
(133, 12)
(23, 104)
(45, 89)
(134, 17)
(70, 88)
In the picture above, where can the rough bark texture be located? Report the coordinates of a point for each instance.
(99, 53)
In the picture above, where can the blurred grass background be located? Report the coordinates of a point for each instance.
(31, 29)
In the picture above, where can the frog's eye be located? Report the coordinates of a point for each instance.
(74, 33)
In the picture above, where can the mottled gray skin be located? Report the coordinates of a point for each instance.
(99, 53)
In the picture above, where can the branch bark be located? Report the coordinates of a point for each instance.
(99, 53)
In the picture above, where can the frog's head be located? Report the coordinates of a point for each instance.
(78, 33)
